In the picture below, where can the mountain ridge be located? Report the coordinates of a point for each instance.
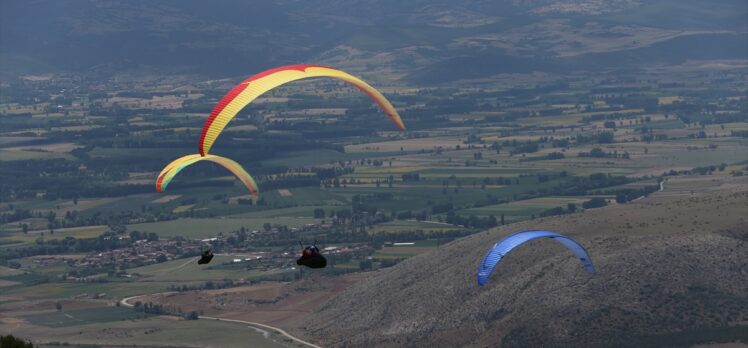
(660, 271)
(193, 37)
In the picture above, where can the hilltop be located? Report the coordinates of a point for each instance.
(670, 272)
(425, 42)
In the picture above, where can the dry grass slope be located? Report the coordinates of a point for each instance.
(673, 272)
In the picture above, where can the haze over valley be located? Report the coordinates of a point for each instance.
(622, 124)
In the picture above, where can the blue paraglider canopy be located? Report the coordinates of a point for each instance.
(500, 249)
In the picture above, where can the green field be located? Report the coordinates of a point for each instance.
(6, 140)
(211, 227)
(84, 316)
(526, 207)
(292, 212)
(187, 270)
(110, 289)
(64, 204)
(404, 251)
(666, 124)
(17, 155)
(6, 271)
(417, 198)
(399, 252)
(563, 120)
(402, 226)
(318, 157)
(667, 100)
(161, 331)
(132, 202)
(309, 196)
(75, 232)
(204, 332)
(128, 154)
(468, 172)
(47, 268)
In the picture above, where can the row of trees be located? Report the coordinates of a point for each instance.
(160, 309)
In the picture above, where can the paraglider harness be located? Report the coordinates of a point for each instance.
(311, 257)
(205, 257)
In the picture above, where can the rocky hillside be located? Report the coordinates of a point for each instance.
(672, 273)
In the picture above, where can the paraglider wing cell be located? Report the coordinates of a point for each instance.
(173, 168)
(500, 249)
(248, 90)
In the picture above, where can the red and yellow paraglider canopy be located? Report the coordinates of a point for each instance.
(176, 166)
(244, 93)
(251, 88)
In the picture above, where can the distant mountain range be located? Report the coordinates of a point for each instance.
(416, 39)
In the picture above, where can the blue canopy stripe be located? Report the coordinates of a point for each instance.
(500, 249)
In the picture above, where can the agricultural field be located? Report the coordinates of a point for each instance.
(520, 210)
(65, 290)
(29, 154)
(83, 316)
(292, 212)
(187, 270)
(74, 232)
(5, 271)
(406, 145)
(401, 226)
(213, 227)
(102, 326)
(323, 157)
(404, 251)
(61, 207)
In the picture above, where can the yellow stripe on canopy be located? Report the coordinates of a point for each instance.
(172, 169)
(251, 88)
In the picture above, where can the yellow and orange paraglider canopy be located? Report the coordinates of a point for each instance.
(251, 88)
(173, 168)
